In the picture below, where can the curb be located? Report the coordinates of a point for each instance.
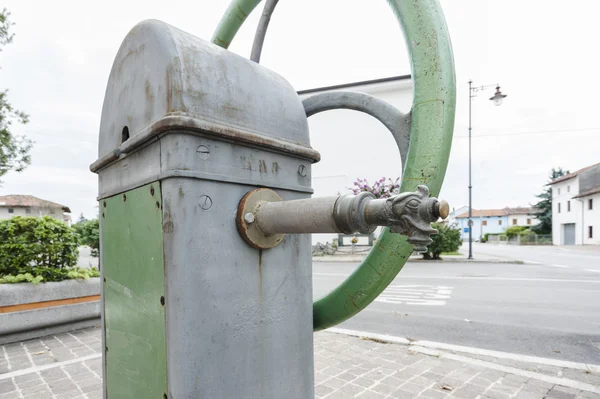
(437, 349)
(340, 258)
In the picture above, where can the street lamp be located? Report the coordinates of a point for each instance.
(497, 99)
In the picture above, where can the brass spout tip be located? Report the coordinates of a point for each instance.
(442, 209)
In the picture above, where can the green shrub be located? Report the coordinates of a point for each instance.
(89, 234)
(36, 242)
(446, 240)
(485, 237)
(514, 231)
(36, 275)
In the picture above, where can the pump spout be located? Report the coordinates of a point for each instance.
(264, 218)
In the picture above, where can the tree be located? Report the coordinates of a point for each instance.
(36, 242)
(14, 150)
(381, 188)
(544, 206)
(89, 234)
(446, 240)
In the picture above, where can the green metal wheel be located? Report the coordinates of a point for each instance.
(432, 123)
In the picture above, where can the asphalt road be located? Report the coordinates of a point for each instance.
(532, 309)
(584, 258)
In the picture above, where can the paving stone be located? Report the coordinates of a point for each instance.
(370, 395)
(345, 367)
(433, 394)
(492, 394)
(558, 394)
(22, 384)
(11, 395)
(322, 390)
(7, 386)
(401, 394)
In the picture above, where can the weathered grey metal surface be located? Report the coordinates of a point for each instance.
(211, 126)
(261, 30)
(165, 79)
(180, 154)
(298, 216)
(397, 122)
(239, 320)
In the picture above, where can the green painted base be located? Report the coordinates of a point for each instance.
(134, 294)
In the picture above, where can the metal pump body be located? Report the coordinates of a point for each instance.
(189, 309)
(204, 171)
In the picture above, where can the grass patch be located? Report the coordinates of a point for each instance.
(451, 253)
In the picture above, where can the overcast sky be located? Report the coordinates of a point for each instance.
(543, 53)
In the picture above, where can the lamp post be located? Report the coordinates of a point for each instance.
(497, 99)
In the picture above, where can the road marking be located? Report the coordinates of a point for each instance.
(35, 369)
(428, 295)
(551, 280)
(564, 266)
(594, 368)
(592, 270)
(531, 262)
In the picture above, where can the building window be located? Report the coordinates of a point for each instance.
(559, 207)
(559, 191)
(568, 206)
(590, 204)
(500, 222)
(28, 210)
(11, 210)
(484, 223)
(528, 221)
(568, 189)
(514, 222)
(590, 231)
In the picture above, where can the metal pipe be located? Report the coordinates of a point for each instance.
(311, 215)
(470, 186)
(410, 214)
(261, 30)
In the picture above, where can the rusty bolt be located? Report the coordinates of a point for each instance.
(162, 300)
(105, 204)
(151, 190)
(203, 152)
(302, 170)
(249, 218)
(157, 205)
(205, 202)
(124, 197)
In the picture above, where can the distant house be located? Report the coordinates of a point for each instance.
(576, 207)
(28, 205)
(495, 221)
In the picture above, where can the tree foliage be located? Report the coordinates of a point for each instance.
(544, 205)
(382, 188)
(446, 240)
(89, 234)
(27, 242)
(14, 150)
(514, 231)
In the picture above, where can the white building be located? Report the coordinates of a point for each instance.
(576, 207)
(28, 205)
(495, 221)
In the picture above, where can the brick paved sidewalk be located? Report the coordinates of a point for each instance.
(69, 366)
